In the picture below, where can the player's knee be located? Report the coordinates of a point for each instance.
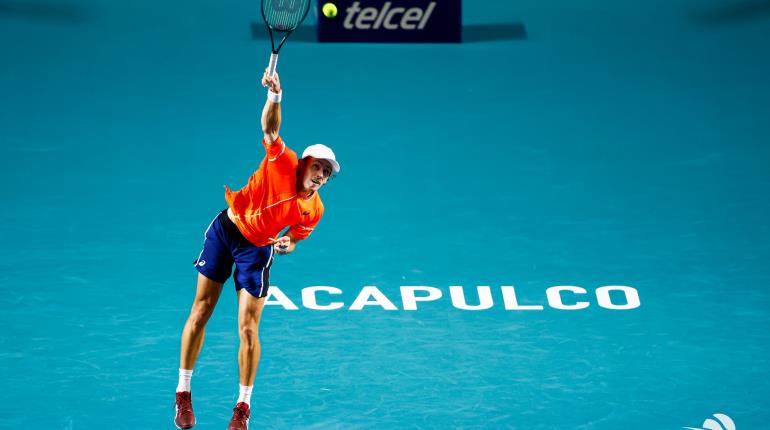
(249, 335)
(200, 316)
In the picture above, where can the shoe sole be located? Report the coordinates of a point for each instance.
(183, 428)
(195, 420)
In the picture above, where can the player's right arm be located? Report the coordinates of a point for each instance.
(271, 113)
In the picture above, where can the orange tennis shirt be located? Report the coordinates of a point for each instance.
(269, 203)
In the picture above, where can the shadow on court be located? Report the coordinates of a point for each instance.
(734, 12)
(471, 33)
(306, 33)
(493, 32)
(55, 12)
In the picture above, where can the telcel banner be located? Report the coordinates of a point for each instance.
(422, 21)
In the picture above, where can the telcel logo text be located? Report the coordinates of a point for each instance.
(373, 18)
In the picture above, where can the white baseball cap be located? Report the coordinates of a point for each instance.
(322, 152)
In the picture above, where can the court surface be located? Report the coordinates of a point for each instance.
(617, 144)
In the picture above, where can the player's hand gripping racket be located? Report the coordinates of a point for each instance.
(282, 17)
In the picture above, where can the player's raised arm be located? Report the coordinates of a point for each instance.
(271, 113)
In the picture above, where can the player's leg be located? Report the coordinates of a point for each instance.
(206, 297)
(249, 315)
(252, 279)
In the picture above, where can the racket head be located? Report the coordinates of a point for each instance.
(284, 15)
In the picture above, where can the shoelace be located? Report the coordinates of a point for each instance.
(183, 402)
(240, 414)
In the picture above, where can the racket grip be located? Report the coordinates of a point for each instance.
(273, 63)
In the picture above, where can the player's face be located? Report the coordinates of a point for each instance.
(315, 174)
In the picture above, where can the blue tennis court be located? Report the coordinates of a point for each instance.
(562, 145)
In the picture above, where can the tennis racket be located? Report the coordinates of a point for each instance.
(282, 17)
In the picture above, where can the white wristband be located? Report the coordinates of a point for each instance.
(273, 97)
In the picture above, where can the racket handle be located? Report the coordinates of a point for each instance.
(273, 63)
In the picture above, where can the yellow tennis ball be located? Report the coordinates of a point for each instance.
(329, 10)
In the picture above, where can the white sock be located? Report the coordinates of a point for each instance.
(185, 376)
(245, 394)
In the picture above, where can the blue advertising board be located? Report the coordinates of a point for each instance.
(420, 21)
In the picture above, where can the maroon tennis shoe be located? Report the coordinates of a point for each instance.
(240, 419)
(185, 417)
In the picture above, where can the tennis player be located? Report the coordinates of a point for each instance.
(281, 195)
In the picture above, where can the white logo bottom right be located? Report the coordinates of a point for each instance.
(719, 422)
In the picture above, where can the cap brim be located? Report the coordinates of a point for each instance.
(334, 163)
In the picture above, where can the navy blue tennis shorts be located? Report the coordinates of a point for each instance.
(224, 246)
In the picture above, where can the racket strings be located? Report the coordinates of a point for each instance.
(285, 15)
